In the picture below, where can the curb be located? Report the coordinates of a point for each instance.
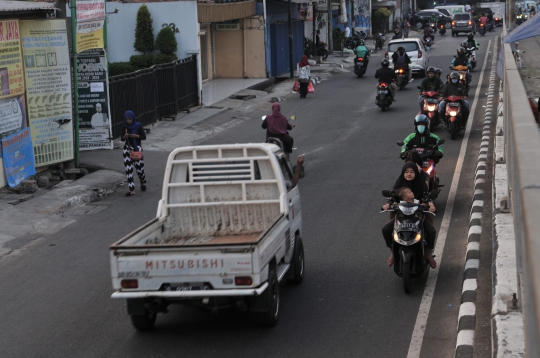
(467, 310)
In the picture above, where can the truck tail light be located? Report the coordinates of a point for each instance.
(129, 284)
(243, 281)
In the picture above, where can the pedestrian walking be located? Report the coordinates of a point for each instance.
(406, 28)
(304, 76)
(133, 159)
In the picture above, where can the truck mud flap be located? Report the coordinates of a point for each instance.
(135, 306)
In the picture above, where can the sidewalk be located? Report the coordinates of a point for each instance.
(530, 69)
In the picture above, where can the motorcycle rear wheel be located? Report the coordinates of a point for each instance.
(323, 53)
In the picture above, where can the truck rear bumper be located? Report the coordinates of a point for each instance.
(191, 294)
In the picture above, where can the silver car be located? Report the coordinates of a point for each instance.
(415, 50)
(463, 23)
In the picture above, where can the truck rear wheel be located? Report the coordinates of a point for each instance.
(297, 263)
(271, 297)
(144, 322)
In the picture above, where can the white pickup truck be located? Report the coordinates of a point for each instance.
(227, 232)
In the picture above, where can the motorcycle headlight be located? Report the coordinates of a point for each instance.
(430, 169)
(406, 210)
(417, 238)
(453, 113)
(431, 107)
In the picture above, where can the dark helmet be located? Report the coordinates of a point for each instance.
(470, 36)
(454, 75)
(463, 44)
(400, 49)
(430, 69)
(483, 14)
(461, 51)
(421, 120)
(385, 62)
(396, 31)
(438, 71)
(361, 42)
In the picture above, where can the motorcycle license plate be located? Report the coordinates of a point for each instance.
(383, 92)
(408, 226)
(419, 150)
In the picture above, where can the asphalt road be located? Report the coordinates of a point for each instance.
(55, 293)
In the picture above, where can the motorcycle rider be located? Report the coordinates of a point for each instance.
(421, 138)
(397, 34)
(491, 22)
(441, 21)
(483, 20)
(400, 59)
(362, 52)
(431, 83)
(462, 60)
(438, 73)
(385, 74)
(277, 125)
(454, 88)
(428, 31)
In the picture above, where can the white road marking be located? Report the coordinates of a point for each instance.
(425, 305)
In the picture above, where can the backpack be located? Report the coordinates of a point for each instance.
(401, 62)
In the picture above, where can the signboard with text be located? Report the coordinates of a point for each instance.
(90, 22)
(11, 66)
(48, 86)
(12, 116)
(18, 157)
(94, 119)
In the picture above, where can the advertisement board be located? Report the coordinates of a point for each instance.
(11, 67)
(48, 88)
(18, 157)
(90, 22)
(12, 116)
(94, 118)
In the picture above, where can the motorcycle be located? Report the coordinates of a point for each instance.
(322, 51)
(453, 116)
(431, 107)
(401, 78)
(277, 141)
(428, 164)
(471, 54)
(379, 41)
(482, 29)
(462, 70)
(427, 43)
(384, 97)
(442, 29)
(408, 245)
(360, 67)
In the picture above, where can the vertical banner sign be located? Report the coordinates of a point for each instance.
(90, 22)
(12, 116)
(18, 157)
(48, 86)
(94, 119)
(11, 68)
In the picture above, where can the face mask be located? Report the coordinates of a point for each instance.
(454, 80)
(421, 129)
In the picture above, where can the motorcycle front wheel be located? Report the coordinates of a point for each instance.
(405, 270)
(454, 129)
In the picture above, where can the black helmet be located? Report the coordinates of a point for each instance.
(463, 44)
(461, 51)
(361, 42)
(430, 69)
(396, 31)
(470, 36)
(385, 62)
(454, 75)
(421, 120)
(438, 71)
(400, 49)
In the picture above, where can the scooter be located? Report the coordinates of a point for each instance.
(453, 118)
(275, 140)
(429, 165)
(379, 41)
(428, 42)
(401, 78)
(482, 29)
(360, 67)
(442, 29)
(463, 71)
(408, 245)
(384, 97)
(431, 107)
(322, 51)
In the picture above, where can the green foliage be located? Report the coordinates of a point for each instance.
(382, 14)
(141, 61)
(166, 41)
(144, 32)
(120, 68)
(163, 58)
(308, 46)
(338, 38)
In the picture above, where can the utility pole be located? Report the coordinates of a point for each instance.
(314, 27)
(73, 6)
(330, 45)
(291, 72)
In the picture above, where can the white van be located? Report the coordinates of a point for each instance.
(452, 9)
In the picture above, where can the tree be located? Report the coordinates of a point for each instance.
(381, 16)
(166, 41)
(144, 32)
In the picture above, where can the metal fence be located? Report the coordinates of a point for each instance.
(157, 92)
(522, 142)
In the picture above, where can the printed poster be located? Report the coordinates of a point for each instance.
(48, 88)
(90, 22)
(12, 116)
(18, 157)
(11, 68)
(94, 118)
